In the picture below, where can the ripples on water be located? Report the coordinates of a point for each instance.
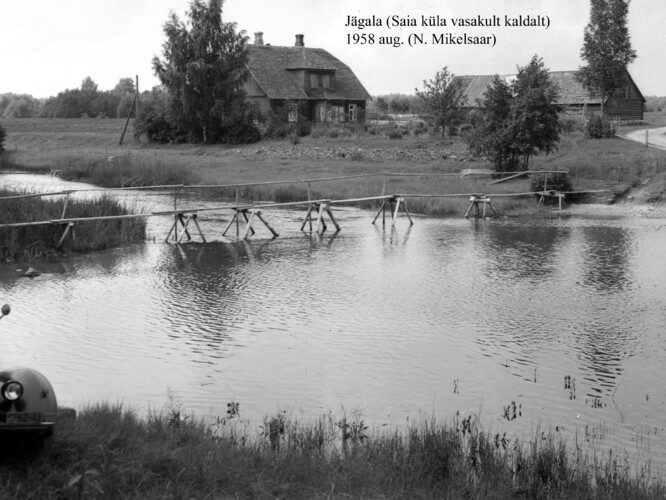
(565, 318)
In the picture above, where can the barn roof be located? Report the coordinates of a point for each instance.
(276, 71)
(570, 90)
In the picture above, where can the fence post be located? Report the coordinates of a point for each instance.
(237, 220)
(64, 208)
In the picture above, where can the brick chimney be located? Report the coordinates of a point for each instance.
(299, 41)
(258, 37)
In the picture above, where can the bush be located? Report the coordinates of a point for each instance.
(3, 134)
(598, 127)
(556, 182)
(394, 134)
(278, 126)
(567, 124)
(420, 128)
(239, 129)
(333, 130)
(153, 122)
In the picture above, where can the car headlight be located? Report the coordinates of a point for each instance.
(12, 390)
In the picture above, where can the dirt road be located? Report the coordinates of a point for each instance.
(656, 137)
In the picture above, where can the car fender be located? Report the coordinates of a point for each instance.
(38, 395)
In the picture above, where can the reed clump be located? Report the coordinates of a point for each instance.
(41, 241)
(123, 171)
(107, 451)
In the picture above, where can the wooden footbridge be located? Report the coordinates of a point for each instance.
(186, 220)
(315, 217)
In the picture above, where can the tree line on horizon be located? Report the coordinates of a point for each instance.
(87, 101)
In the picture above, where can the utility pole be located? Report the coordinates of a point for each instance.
(135, 104)
(137, 99)
(136, 116)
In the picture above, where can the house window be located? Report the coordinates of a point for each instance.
(337, 114)
(320, 81)
(353, 112)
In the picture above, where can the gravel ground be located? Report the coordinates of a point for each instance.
(425, 152)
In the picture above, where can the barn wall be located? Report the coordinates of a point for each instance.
(626, 109)
(581, 109)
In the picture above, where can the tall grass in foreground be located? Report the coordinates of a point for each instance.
(32, 242)
(109, 452)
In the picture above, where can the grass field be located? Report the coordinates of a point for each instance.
(109, 452)
(81, 145)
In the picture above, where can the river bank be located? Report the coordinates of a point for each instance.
(81, 148)
(107, 451)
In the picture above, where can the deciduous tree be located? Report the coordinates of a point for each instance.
(534, 119)
(382, 105)
(399, 104)
(489, 133)
(516, 121)
(443, 98)
(606, 49)
(203, 70)
(124, 86)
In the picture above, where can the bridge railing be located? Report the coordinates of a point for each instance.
(184, 216)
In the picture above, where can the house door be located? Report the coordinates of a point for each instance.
(321, 112)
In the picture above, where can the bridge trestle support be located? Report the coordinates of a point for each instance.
(320, 209)
(475, 201)
(393, 204)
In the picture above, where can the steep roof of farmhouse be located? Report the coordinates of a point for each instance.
(570, 90)
(276, 68)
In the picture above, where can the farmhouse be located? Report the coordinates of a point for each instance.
(573, 96)
(310, 81)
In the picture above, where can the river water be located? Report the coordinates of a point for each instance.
(550, 325)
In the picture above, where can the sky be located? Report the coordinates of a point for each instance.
(47, 46)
